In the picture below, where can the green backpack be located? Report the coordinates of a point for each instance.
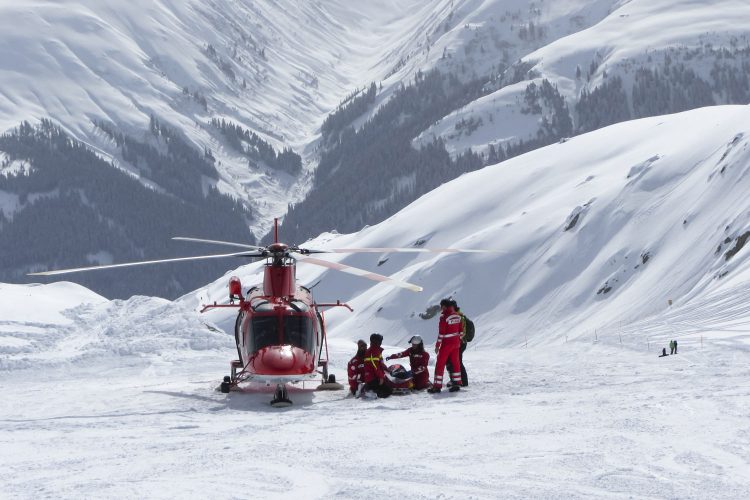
(469, 329)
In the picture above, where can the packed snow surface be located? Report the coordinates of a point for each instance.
(566, 420)
(567, 397)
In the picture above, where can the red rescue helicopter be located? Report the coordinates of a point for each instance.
(280, 330)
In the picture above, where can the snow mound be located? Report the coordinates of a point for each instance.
(44, 303)
(73, 325)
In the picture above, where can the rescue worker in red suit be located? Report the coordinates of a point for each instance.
(464, 376)
(375, 368)
(356, 367)
(418, 359)
(447, 347)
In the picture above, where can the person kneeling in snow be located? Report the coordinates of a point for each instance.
(418, 359)
(356, 367)
(375, 368)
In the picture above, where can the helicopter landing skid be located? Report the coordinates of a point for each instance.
(330, 384)
(232, 381)
(280, 398)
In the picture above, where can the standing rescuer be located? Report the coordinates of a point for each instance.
(464, 340)
(356, 367)
(447, 347)
(418, 360)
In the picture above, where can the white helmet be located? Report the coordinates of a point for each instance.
(416, 339)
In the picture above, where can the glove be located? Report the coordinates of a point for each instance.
(387, 358)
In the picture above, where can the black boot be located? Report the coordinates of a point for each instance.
(455, 388)
(433, 390)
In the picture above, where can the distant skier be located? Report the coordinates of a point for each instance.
(375, 368)
(675, 346)
(664, 352)
(418, 359)
(356, 367)
(447, 347)
(671, 346)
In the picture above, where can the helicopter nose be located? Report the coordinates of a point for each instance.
(282, 360)
(279, 358)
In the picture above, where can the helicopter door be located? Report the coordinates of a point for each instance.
(238, 332)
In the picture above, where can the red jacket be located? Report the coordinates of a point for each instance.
(356, 371)
(417, 360)
(374, 365)
(449, 329)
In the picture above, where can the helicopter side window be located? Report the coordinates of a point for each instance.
(264, 331)
(299, 332)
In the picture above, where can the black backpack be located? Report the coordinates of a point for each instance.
(469, 334)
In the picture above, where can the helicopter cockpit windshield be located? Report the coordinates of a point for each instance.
(296, 330)
(264, 331)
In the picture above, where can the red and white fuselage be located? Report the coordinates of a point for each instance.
(279, 330)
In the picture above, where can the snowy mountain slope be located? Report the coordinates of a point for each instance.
(639, 28)
(505, 90)
(656, 211)
(134, 68)
(486, 36)
(658, 203)
(628, 37)
(275, 68)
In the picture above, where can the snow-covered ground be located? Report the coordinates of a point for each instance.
(562, 420)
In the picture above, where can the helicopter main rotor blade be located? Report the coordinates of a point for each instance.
(143, 263)
(358, 272)
(218, 242)
(410, 250)
(404, 250)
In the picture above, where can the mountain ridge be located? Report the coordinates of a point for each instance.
(189, 65)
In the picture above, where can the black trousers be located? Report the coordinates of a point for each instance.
(382, 390)
(449, 365)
